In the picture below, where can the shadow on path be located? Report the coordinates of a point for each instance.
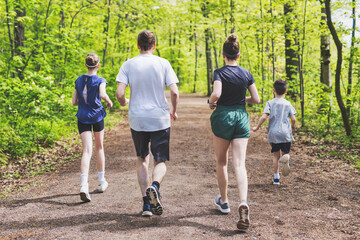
(47, 199)
(115, 222)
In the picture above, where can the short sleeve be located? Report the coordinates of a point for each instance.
(267, 108)
(122, 76)
(250, 79)
(292, 110)
(216, 76)
(170, 76)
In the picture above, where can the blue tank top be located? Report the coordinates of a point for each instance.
(90, 111)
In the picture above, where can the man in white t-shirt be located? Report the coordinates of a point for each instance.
(149, 114)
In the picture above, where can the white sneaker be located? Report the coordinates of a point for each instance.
(284, 160)
(102, 186)
(84, 193)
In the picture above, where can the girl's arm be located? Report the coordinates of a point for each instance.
(261, 121)
(75, 99)
(215, 95)
(104, 95)
(254, 95)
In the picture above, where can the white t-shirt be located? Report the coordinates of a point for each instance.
(147, 75)
(279, 130)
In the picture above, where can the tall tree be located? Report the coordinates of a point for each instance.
(106, 30)
(232, 18)
(351, 59)
(291, 45)
(45, 24)
(19, 33)
(209, 64)
(325, 76)
(338, 44)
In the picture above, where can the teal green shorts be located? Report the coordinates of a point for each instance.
(229, 122)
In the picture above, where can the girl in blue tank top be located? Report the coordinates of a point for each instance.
(89, 90)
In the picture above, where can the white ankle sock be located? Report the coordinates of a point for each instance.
(84, 179)
(221, 202)
(101, 176)
(276, 175)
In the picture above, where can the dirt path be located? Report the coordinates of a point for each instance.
(320, 199)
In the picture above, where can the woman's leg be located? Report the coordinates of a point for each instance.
(239, 146)
(86, 138)
(99, 146)
(221, 147)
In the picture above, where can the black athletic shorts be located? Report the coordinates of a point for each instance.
(96, 127)
(284, 147)
(159, 144)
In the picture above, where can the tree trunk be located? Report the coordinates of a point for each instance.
(19, 34)
(196, 59)
(351, 60)
(338, 44)
(291, 44)
(272, 44)
(325, 76)
(262, 54)
(213, 37)
(106, 31)
(232, 19)
(301, 64)
(209, 66)
(45, 24)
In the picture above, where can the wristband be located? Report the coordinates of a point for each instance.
(208, 101)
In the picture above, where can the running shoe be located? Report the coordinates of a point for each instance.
(276, 181)
(146, 210)
(102, 186)
(155, 205)
(84, 193)
(224, 207)
(285, 163)
(244, 220)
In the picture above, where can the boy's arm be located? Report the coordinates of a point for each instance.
(261, 121)
(75, 99)
(120, 94)
(293, 121)
(104, 95)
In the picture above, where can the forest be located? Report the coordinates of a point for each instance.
(313, 44)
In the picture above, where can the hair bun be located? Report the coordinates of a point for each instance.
(232, 38)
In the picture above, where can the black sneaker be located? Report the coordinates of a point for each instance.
(154, 196)
(146, 210)
(276, 181)
(224, 208)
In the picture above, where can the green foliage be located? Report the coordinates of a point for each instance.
(38, 81)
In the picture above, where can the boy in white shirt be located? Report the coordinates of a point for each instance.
(279, 130)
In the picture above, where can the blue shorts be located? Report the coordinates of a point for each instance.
(159, 144)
